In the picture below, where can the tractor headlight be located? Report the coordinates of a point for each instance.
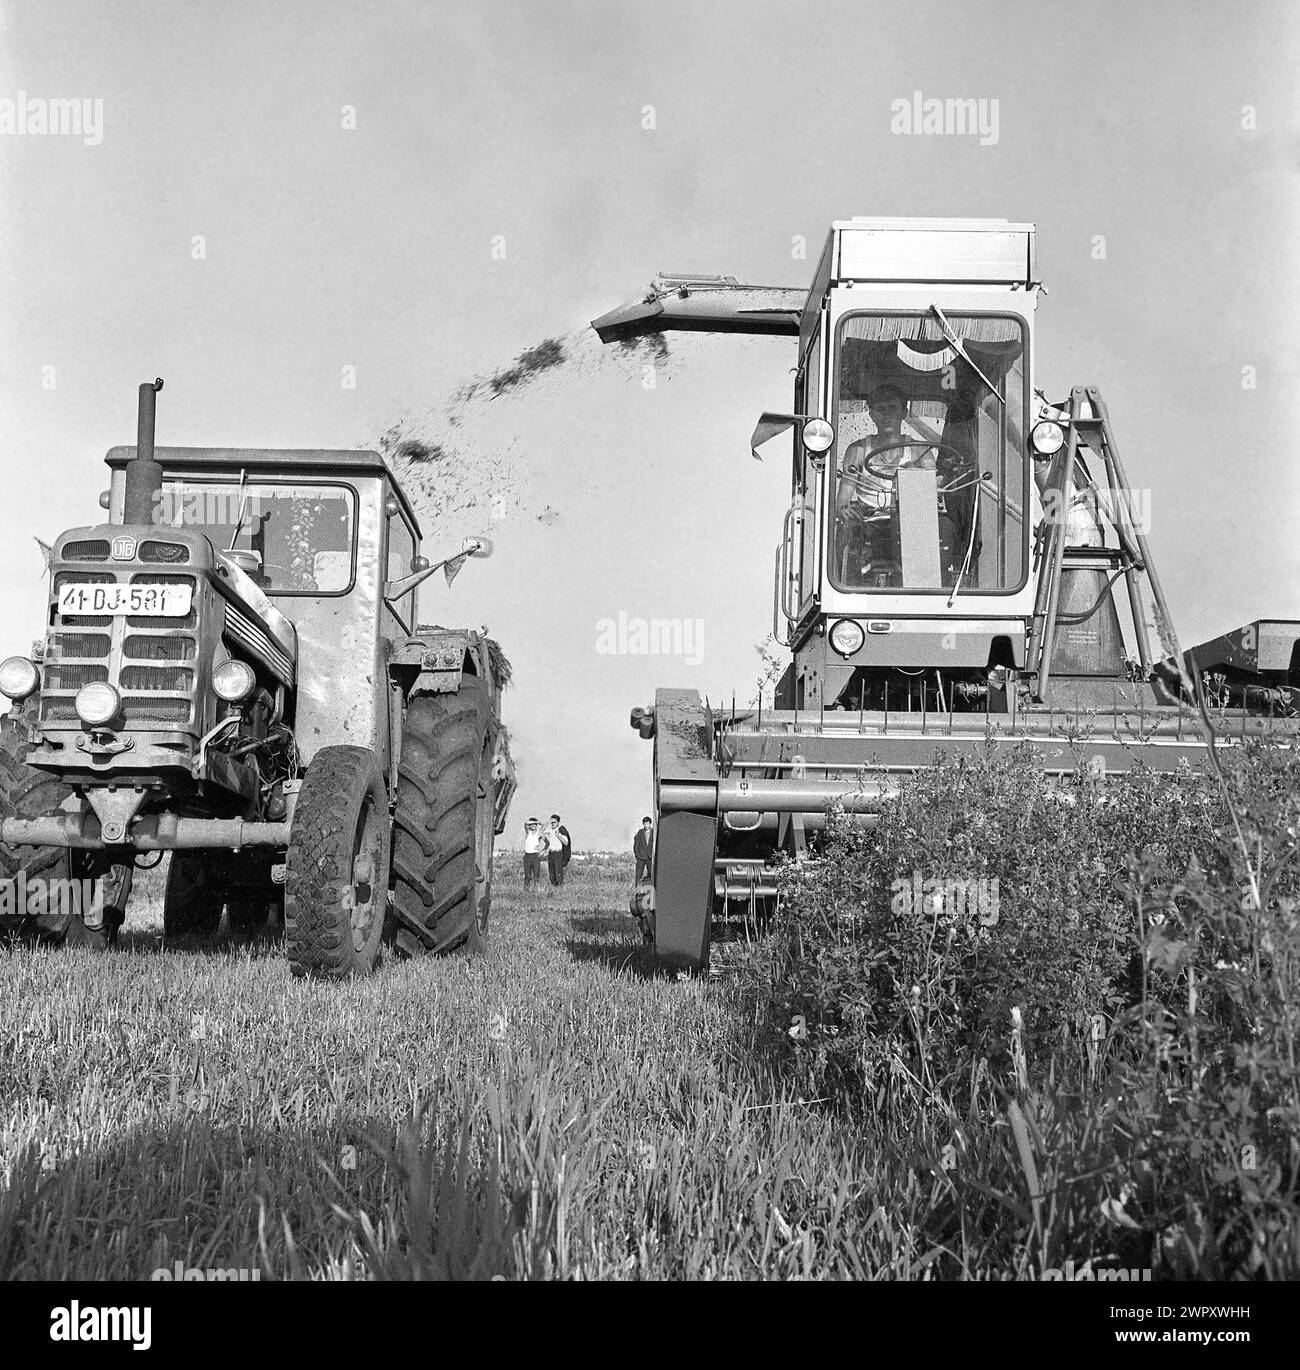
(1046, 438)
(18, 678)
(97, 703)
(233, 681)
(847, 636)
(818, 435)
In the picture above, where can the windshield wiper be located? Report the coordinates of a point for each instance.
(243, 509)
(963, 354)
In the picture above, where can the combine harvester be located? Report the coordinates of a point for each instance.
(962, 564)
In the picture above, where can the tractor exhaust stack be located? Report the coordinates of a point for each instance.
(144, 475)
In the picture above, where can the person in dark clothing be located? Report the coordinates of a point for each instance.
(558, 850)
(643, 848)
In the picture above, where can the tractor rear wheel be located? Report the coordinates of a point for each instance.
(193, 896)
(336, 884)
(248, 913)
(444, 825)
(41, 874)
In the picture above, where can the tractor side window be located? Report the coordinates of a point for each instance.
(931, 477)
(401, 552)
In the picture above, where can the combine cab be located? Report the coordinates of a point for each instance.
(232, 670)
(960, 561)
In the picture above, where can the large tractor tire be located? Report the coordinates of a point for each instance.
(336, 884)
(28, 793)
(444, 825)
(193, 896)
(201, 884)
(249, 913)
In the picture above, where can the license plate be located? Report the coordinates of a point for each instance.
(146, 601)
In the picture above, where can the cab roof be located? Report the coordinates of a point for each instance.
(302, 462)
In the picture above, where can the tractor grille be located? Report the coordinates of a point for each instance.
(171, 552)
(157, 679)
(148, 659)
(89, 549)
(65, 677)
(159, 709)
(86, 646)
(145, 688)
(152, 647)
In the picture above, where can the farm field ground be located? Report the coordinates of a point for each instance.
(1095, 1069)
(196, 1104)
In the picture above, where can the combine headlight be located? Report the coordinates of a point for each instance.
(847, 636)
(233, 681)
(18, 678)
(97, 703)
(818, 435)
(1047, 437)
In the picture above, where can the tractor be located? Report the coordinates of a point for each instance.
(232, 672)
(963, 564)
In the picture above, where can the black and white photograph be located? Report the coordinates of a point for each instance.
(649, 643)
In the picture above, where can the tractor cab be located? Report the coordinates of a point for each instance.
(906, 544)
(323, 539)
(911, 486)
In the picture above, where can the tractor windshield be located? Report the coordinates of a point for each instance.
(301, 537)
(930, 480)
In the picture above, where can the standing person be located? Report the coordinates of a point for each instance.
(557, 849)
(568, 841)
(534, 845)
(643, 848)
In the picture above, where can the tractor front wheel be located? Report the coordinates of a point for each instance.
(445, 820)
(336, 884)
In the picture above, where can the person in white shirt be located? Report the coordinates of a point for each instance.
(534, 846)
(864, 498)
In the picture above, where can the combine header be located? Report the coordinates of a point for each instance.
(961, 562)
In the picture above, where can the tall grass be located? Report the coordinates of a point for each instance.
(853, 1098)
(1127, 1011)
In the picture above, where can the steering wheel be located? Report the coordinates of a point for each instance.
(886, 474)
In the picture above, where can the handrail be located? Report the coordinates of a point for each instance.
(776, 596)
(790, 610)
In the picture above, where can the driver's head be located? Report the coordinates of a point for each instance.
(887, 406)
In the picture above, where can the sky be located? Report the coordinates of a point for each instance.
(279, 196)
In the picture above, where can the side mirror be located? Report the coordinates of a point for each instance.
(422, 569)
(245, 558)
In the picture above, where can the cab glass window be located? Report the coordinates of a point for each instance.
(930, 481)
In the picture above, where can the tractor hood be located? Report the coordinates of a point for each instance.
(251, 617)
